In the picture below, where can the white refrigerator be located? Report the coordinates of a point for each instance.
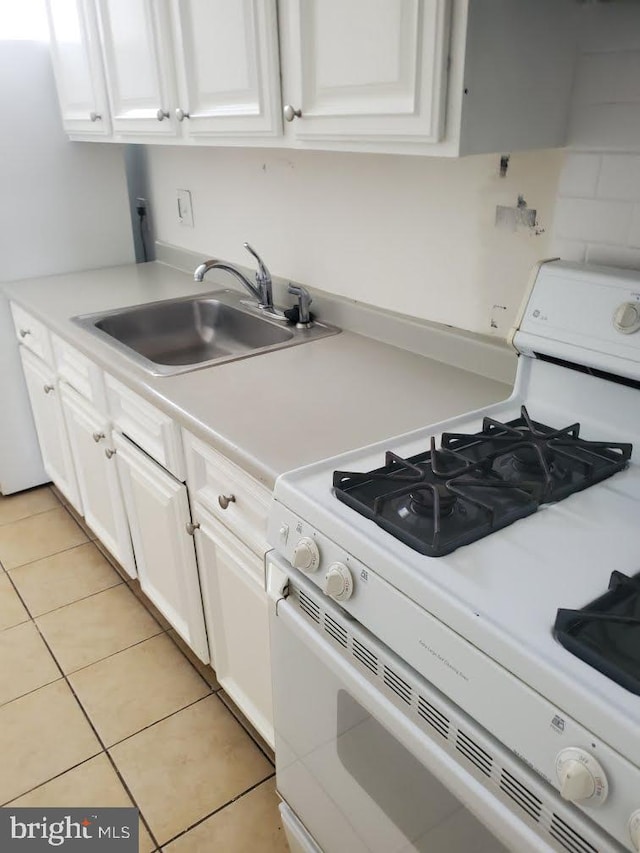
(64, 207)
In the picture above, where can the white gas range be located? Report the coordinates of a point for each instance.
(448, 563)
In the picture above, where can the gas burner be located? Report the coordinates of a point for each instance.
(435, 501)
(477, 483)
(606, 633)
(523, 450)
(423, 501)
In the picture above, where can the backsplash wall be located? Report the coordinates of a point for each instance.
(410, 234)
(598, 209)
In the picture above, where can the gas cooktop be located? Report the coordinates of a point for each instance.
(606, 633)
(477, 483)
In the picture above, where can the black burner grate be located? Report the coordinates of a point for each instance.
(477, 483)
(606, 633)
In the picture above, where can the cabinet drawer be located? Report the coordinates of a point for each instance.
(146, 426)
(32, 334)
(79, 372)
(211, 478)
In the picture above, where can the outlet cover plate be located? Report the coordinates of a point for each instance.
(185, 209)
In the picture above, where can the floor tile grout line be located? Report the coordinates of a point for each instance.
(242, 725)
(218, 810)
(53, 554)
(160, 720)
(113, 654)
(191, 663)
(53, 778)
(105, 749)
(30, 515)
(102, 744)
(91, 725)
(34, 690)
(132, 798)
(75, 600)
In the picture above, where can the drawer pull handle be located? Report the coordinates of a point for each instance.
(109, 452)
(225, 500)
(24, 332)
(98, 436)
(49, 388)
(161, 114)
(191, 527)
(291, 112)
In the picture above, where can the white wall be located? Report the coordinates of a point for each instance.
(411, 234)
(64, 205)
(598, 210)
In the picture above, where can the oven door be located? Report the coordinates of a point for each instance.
(357, 773)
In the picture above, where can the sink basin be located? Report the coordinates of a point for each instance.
(179, 335)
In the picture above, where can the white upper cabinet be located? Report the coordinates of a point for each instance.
(227, 67)
(436, 77)
(366, 69)
(77, 65)
(139, 68)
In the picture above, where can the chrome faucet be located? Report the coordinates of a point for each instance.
(262, 290)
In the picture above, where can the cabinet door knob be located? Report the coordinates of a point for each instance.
(225, 500)
(192, 526)
(181, 115)
(110, 452)
(95, 116)
(49, 388)
(161, 115)
(24, 332)
(291, 112)
(98, 436)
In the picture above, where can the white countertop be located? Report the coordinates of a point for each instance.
(273, 412)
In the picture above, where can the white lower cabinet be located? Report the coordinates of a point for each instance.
(50, 425)
(95, 465)
(158, 510)
(236, 611)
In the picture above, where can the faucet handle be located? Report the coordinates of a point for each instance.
(304, 301)
(263, 276)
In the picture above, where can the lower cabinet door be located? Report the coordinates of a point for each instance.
(237, 616)
(48, 417)
(95, 464)
(158, 510)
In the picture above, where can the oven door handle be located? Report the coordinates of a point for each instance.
(489, 810)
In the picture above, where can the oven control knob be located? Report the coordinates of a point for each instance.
(306, 555)
(634, 829)
(338, 582)
(582, 779)
(626, 318)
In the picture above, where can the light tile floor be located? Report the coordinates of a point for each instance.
(101, 704)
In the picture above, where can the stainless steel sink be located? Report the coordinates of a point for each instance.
(180, 335)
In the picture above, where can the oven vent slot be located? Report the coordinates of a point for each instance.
(521, 795)
(335, 630)
(569, 838)
(397, 684)
(474, 753)
(435, 718)
(309, 606)
(366, 657)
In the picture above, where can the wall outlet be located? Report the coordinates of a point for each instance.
(185, 210)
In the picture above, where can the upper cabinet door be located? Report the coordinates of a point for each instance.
(77, 64)
(138, 63)
(366, 70)
(228, 67)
